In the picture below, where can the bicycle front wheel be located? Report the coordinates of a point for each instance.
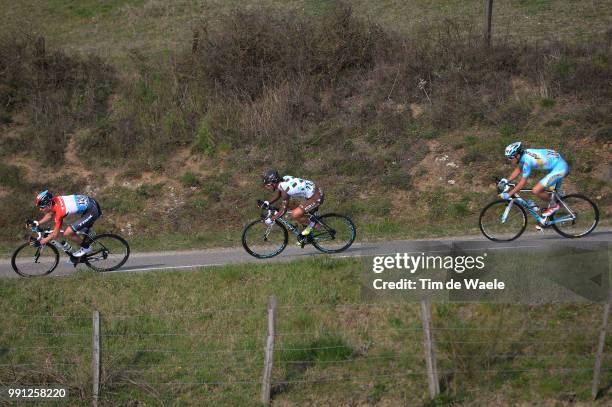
(30, 261)
(109, 252)
(263, 241)
(333, 233)
(502, 221)
(577, 217)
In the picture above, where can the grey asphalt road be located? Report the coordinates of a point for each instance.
(195, 259)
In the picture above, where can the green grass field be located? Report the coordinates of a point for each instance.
(197, 338)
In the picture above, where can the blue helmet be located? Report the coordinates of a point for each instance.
(44, 198)
(514, 149)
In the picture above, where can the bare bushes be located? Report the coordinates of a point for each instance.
(279, 112)
(260, 78)
(249, 51)
(268, 68)
(57, 91)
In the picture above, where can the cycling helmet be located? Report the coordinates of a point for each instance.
(44, 198)
(271, 177)
(514, 149)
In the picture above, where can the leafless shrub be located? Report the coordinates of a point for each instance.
(56, 90)
(249, 51)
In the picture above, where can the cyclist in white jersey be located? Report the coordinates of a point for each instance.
(536, 159)
(289, 187)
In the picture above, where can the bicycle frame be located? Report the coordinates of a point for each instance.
(59, 246)
(289, 226)
(44, 233)
(540, 219)
(293, 229)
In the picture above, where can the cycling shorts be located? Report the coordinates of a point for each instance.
(554, 178)
(92, 213)
(313, 202)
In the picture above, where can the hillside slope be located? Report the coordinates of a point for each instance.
(401, 129)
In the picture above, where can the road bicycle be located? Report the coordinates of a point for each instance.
(109, 252)
(332, 233)
(505, 220)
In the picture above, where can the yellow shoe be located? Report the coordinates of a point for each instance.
(306, 231)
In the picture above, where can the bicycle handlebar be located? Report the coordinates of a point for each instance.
(270, 209)
(497, 180)
(260, 204)
(40, 233)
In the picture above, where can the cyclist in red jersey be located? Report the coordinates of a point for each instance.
(61, 206)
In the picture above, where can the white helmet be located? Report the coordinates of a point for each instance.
(514, 149)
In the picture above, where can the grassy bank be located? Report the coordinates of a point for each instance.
(193, 338)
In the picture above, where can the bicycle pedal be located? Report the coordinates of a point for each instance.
(302, 241)
(75, 260)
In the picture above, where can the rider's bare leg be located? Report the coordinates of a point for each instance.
(69, 233)
(540, 191)
(299, 215)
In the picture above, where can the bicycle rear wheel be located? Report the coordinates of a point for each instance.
(263, 241)
(501, 223)
(333, 233)
(109, 252)
(581, 218)
(30, 261)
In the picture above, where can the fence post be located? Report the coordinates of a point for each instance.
(430, 357)
(96, 357)
(195, 42)
(488, 15)
(269, 357)
(600, 348)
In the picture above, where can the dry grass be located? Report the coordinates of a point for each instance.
(118, 26)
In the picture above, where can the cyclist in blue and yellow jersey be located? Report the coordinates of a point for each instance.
(288, 187)
(536, 159)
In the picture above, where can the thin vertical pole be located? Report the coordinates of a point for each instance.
(430, 357)
(488, 16)
(96, 357)
(600, 349)
(269, 357)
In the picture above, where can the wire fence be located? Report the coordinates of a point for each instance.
(219, 355)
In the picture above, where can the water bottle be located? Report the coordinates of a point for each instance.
(66, 247)
(532, 205)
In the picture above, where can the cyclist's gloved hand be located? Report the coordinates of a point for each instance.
(504, 195)
(265, 204)
(269, 221)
